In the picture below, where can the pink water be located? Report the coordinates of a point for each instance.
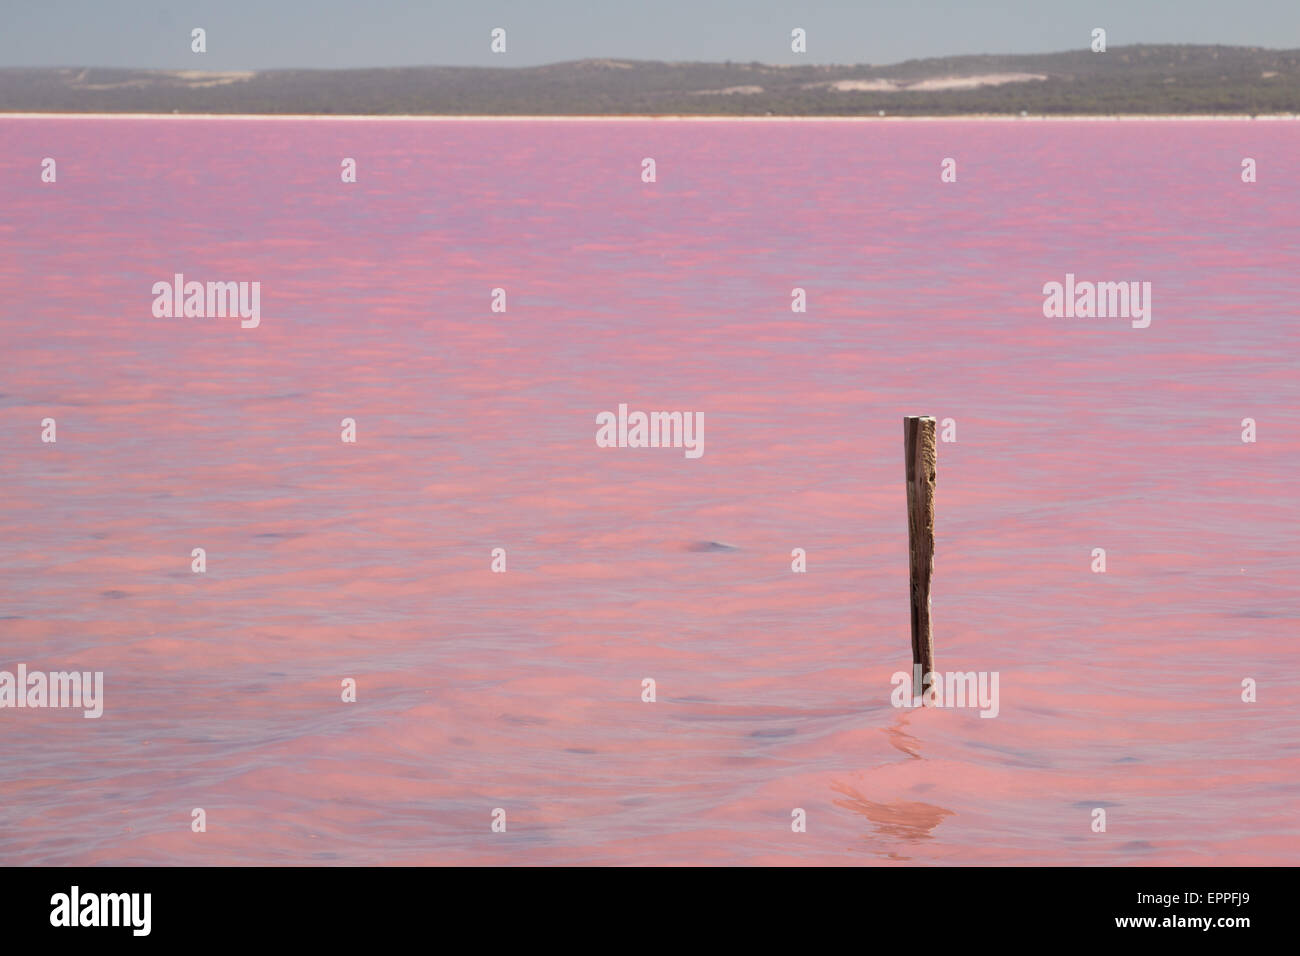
(476, 430)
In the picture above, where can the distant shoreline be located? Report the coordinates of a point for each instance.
(1148, 81)
(688, 118)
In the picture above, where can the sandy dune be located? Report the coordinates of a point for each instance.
(937, 83)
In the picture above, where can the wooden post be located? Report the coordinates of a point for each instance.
(921, 451)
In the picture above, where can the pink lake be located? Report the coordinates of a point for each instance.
(476, 430)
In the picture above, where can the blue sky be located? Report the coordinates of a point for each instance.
(265, 34)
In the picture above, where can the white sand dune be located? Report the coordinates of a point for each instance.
(858, 86)
(190, 79)
(974, 82)
(729, 91)
(935, 83)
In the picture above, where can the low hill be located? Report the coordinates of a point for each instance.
(1134, 79)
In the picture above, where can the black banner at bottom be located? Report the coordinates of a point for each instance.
(333, 906)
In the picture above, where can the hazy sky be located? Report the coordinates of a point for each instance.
(264, 34)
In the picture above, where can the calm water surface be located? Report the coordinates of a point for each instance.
(476, 430)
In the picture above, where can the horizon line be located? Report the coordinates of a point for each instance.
(673, 117)
(634, 60)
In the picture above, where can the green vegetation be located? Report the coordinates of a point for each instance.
(1135, 79)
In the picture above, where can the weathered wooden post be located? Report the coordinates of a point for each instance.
(919, 445)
